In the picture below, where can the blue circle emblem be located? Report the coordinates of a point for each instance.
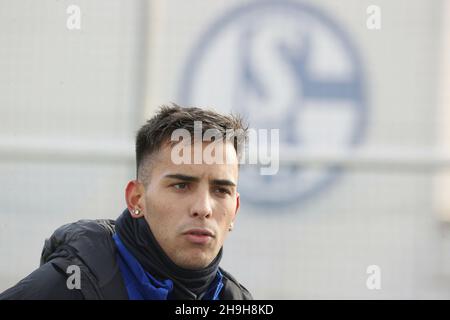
(283, 65)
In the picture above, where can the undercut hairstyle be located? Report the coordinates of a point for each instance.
(158, 130)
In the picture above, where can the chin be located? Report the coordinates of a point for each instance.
(194, 262)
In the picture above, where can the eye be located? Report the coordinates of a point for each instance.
(222, 190)
(180, 186)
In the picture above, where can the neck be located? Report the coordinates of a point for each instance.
(140, 241)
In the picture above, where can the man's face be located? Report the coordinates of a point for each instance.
(190, 207)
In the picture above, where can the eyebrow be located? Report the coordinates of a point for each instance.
(182, 177)
(223, 182)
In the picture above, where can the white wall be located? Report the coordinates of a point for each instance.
(89, 91)
(66, 97)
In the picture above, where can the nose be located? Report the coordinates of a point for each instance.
(201, 207)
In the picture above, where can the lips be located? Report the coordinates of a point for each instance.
(199, 235)
(200, 232)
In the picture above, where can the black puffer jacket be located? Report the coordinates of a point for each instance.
(89, 245)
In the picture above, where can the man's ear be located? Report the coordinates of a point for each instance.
(238, 204)
(134, 196)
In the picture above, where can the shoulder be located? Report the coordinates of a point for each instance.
(87, 244)
(77, 233)
(45, 283)
(233, 290)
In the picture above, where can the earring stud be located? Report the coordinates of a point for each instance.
(136, 212)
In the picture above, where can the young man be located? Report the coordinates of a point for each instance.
(168, 243)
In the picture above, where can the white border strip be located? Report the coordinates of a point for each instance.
(68, 150)
(374, 158)
(442, 180)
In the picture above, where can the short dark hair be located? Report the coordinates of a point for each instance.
(158, 130)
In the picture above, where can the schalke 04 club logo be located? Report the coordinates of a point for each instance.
(283, 65)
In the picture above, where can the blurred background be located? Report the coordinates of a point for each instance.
(359, 91)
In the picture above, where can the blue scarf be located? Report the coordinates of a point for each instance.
(141, 285)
